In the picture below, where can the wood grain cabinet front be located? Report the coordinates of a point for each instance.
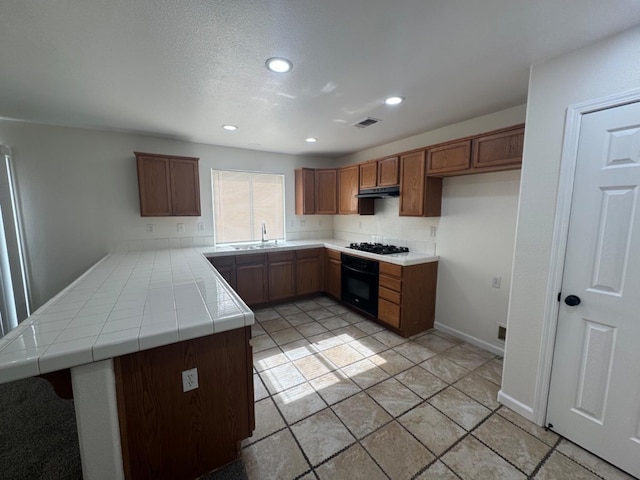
(309, 271)
(168, 185)
(305, 190)
(333, 266)
(282, 275)
(326, 184)
(452, 157)
(251, 278)
(499, 151)
(348, 186)
(420, 196)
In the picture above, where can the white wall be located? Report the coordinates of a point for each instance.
(607, 67)
(475, 234)
(79, 195)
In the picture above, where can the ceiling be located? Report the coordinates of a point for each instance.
(182, 69)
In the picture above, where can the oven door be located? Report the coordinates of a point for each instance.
(360, 289)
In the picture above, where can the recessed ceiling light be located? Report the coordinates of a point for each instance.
(311, 140)
(394, 100)
(279, 65)
(231, 128)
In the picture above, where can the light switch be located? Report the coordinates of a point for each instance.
(181, 228)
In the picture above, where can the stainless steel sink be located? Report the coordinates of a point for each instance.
(256, 246)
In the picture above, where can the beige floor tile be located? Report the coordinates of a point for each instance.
(307, 305)
(437, 471)
(465, 357)
(259, 390)
(298, 349)
(337, 309)
(399, 454)
(321, 436)
(414, 351)
(433, 429)
(263, 342)
(257, 330)
(517, 446)
(353, 317)
(275, 325)
(590, 461)
(280, 378)
(285, 336)
(319, 313)
(365, 373)
(298, 319)
(277, 456)
(333, 323)
(463, 410)
(435, 343)
(326, 301)
(394, 397)
(325, 341)
(352, 464)
(349, 333)
(480, 389)
(308, 476)
(287, 309)
(268, 420)
(421, 382)
(492, 371)
(391, 362)
(559, 467)
(472, 460)
(368, 346)
(390, 339)
(311, 329)
(478, 350)
(299, 402)
(314, 366)
(268, 359)
(264, 314)
(546, 436)
(334, 387)
(445, 369)
(446, 336)
(361, 415)
(367, 326)
(342, 355)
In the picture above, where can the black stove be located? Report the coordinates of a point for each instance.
(378, 248)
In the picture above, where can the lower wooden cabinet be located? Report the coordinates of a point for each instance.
(309, 271)
(333, 266)
(251, 278)
(282, 278)
(226, 266)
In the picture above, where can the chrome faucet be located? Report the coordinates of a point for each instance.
(264, 232)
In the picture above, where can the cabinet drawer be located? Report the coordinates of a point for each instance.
(309, 253)
(280, 256)
(390, 269)
(258, 259)
(389, 312)
(334, 254)
(390, 295)
(390, 282)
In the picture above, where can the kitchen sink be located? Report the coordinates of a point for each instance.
(256, 246)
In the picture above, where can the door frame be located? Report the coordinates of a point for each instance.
(568, 161)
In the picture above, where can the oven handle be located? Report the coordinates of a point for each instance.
(361, 272)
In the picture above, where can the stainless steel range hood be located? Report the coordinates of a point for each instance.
(379, 192)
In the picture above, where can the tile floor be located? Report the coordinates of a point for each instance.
(339, 397)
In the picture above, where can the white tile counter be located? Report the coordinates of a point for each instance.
(125, 303)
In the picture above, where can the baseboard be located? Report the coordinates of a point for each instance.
(469, 339)
(520, 408)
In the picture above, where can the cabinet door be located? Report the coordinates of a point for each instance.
(281, 279)
(502, 150)
(185, 187)
(348, 188)
(154, 186)
(305, 191)
(251, 278)
(369, 175)
(388, 172)
(226, 266)
(309, 271)
(412, 184)
(453, 157)
(333, 274)
(326, 191)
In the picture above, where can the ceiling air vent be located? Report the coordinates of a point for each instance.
(367, 122)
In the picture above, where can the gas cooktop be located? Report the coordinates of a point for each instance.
(378, 248)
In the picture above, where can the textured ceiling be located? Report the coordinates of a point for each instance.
(181, 69)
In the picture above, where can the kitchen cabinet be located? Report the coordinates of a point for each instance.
(369, 174)
(305, 186)
(226, 266)
(326, 182)
(388, 169)
(309, 271)
(348, 186)
(452, 157)
(281, 273)
(498, 151)
(420, 196)
(333, 266)
(407, 297)
(168, 185)
(251, 278)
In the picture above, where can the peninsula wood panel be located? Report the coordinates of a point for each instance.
(170, 434)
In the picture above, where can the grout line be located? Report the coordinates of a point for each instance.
(545, 458)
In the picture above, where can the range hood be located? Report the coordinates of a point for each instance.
(379, 192)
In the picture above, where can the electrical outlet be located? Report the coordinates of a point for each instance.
(150, 227)
(181, 228)
(292, 223)
(303, 223)
(432, 231)
(496, 281)
(189, 380)
(201, 226)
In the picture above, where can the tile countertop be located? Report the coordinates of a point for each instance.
(125, 303)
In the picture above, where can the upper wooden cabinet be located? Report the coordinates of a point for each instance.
(452, 157)
(305, 191)
(499, 150)
(348, 184)
(420, 196)
(369, 174)
(326, 191)
(168, 185)
(379, 173)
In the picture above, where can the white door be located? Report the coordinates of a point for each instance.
(594, 398)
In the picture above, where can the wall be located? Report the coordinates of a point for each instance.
(605, 68)
(79, 196)
(475, 233)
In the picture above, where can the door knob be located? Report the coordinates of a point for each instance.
(572, 300)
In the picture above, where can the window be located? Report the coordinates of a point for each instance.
(242, 201)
